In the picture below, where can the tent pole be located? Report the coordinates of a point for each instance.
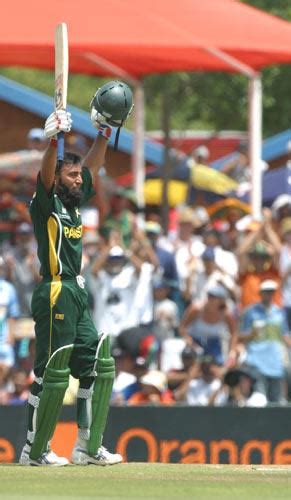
(137, 158)
(254, 126)
(255, 145)
(112, 69)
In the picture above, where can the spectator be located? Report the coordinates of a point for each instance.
(258, 265)
(285, 267)
(197, 391)
(153, 390)
(167, 262)
(187, 245)
(225, 260)
(118, 217)
(258, 256)
(124, 376)
(166, 313)
(140, 369)
(281, 207)
(20, 381)
(238, 166)
(239, 390)
(36, 139)
(189, 359)
(122, 293)
(201, 279)
(23, 266)
(263, 328)
(200, 155)
(211, 327)
(166, 259)
(9, 311)
(91, 249)
(5, 383)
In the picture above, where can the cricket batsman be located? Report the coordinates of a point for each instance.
(66, 339)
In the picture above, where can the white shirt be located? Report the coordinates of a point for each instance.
(257, 399)
(199, 391)
(122, 301)
(185, 252)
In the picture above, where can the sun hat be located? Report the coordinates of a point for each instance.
(155, 378)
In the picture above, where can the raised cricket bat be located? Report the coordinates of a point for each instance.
(61, 78)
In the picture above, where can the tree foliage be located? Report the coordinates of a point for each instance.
(197, 100)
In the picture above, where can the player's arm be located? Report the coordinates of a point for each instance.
(110, 107)
(58, 121)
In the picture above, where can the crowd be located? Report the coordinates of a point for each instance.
(199, 316)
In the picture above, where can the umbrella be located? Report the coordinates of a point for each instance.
(184, 175)
(206, 178)
(177, 192)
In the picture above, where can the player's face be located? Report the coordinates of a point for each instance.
(71, 176)
(69, 185)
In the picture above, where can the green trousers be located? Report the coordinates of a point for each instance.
(61, 314)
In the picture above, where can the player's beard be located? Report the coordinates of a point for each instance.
(69, 198)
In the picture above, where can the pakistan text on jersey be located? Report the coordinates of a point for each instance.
(73, 232)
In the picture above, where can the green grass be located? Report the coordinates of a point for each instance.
(146, 481)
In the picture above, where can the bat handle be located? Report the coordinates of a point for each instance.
(61, 146)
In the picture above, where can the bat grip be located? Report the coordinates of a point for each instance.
(61, 146)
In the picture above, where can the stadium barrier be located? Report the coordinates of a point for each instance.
(171, 434)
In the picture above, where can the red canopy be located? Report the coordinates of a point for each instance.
(143, 36)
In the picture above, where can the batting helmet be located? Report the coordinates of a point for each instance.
(113, 101)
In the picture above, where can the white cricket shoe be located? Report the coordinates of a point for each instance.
(48, 458)
(102, 457)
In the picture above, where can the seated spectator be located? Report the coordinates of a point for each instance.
(139, 341)
(5, 383)
(140, 368)
(239, 390)
(263, 331)
(20, 392)
(153, 390)
(189, 359)
(166, 313)
(211, 327)
(198, 390)
(124, 376)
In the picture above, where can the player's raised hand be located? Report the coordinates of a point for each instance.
(58, 121)
(99, 122)
(97, 119)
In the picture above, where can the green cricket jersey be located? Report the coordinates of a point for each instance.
(58, 230)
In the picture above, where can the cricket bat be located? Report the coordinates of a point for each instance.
(61, 78)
